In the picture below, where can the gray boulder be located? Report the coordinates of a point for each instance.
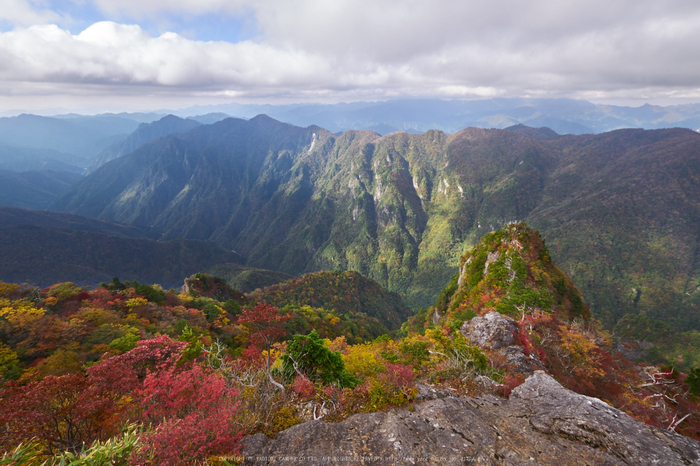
(492, 330)
(542, 423)
(521, 362)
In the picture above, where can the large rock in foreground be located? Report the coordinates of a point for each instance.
(542, 423)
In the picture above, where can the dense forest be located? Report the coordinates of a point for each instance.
(129, 373)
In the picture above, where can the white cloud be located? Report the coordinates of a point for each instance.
(140, 8)
(25, 13)
(112, 53)
(347, 49)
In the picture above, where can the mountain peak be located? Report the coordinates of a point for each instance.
(534, 133)
(510, 271)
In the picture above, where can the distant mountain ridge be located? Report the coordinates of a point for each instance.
(618, 210)
(34, 189)
(565, 116)
(145, 132)
(81, 136)
(12, 217)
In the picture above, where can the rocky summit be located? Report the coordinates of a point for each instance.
(542, 423)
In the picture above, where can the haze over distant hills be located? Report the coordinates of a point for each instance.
(145, 132)
(78, 143)
(40, 157)
(565, 116)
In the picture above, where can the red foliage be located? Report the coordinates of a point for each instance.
(262, 314)
(398, 375)
(194, 409)
(149, 355)
(188, 441)
(303, 387)
(189, 408)
(510, 383)
(251, 356)
(172, 300)
(266, 322)
(524, 339)
(53, 410)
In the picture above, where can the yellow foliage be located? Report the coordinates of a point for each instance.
(136, 302)
(361, 360)
(19, 312)
(275, 360)
(7, 289)
(51, 301)
(339, 345)
(308, 311)
(61, 362)
(581, 351)
(537, 273)
(185, 297)
(97, 316)
(76, 329)
(7, 357)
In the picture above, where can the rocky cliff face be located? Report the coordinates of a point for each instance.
(541, 423)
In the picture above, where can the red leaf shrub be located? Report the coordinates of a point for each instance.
(193, 410)
(303, 387)
(189, 409)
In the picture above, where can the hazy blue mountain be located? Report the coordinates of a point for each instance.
(19, 159)
(82, 137)
(34, 189)
(145, 132)
(44, 256)
(534, 133)
(565, 116)
(247, 279)
(138, 117)
(209, 118)
(12, 217)
(107, 124)
(49, 247)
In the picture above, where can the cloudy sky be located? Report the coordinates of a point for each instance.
(112, 55)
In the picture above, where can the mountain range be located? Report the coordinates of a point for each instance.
(618, 210)
(565, 116)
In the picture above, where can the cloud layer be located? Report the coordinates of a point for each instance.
(362, 49)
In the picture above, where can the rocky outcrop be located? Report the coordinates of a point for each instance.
(492, 330)
(497, 332)
(542, 423)
(518, 361)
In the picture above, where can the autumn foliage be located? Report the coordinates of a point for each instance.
(187, 408)
(182, 377)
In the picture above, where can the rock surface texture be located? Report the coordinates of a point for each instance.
(492, 330)
(497, 332)
(541, 423)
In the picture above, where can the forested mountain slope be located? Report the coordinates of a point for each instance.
(42, 255)
(618, 210)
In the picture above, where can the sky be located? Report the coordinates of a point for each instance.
(90, 56)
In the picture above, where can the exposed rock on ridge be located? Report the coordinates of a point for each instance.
(497, 332)
(492, 330)
(542, 423)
